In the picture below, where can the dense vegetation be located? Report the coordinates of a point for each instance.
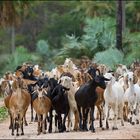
(3, 113)
(54, 30)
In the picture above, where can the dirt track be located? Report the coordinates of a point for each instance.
(125, 132)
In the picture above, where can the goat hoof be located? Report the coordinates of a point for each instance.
(122, 124)
(137, 121)
(133, 123)
(61, 131)
(103, 128)
(114, 128)
(50, 131)
(44, 132)
(80, 129)
(12, 134)
(22, 133)
(90, 128)
(38, 133)
(75, 129)
(26, 124)
(17, 134)
(93, 130)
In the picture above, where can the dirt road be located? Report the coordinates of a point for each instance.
(125, 132)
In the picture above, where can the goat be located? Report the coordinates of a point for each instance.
(18, 105)
(71, 67)
(67, 82)
(86, 98)
(40, 82)
(113, 96)
(60, 105)
(42, 105)
(129, 97)
(7, 90)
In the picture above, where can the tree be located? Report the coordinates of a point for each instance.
(12, 12)
(119, 25)
(11, 15)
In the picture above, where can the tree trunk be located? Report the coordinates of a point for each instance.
(123, 16)
(119, 25)
(13, 39)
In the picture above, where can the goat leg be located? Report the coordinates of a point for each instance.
(13, 126)
(50, 121)
(21, 126)
(10, 126)
(63, 124)
(60, 123)
(85, 114)
(17, 125)
(100, 115)
(80, 118)
(44, 123)
(32, 112)
(56, 123)
(39, 127)
(92, 119)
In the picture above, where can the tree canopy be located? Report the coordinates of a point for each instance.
(46, 32)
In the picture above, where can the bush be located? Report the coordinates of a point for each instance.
(21, 54)
(110, 57)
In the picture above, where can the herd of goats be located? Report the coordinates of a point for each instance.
(71, 93)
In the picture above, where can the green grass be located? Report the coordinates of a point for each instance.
(3, 113)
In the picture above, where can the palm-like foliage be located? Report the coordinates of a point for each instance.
(99, 32)
(110, 57)
(72, 47)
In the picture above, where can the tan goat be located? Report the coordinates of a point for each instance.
(18, 104)
(42, 105)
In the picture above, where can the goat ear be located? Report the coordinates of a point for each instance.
(14, 85)
(89, 76)
(106, 79)
(59, 81)
(98, 72)
(66, 88)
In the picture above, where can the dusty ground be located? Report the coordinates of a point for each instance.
(125, 132)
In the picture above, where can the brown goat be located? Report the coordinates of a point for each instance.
(42, 105)
(18, 104)
(7, 92)
(98, 104)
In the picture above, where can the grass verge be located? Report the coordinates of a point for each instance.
(3, 113)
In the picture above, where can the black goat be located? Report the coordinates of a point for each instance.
(61, 106)
(86, 98)
(56, 93)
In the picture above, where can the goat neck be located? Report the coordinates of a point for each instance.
(138, 82)
(131, 87)
(109, 86)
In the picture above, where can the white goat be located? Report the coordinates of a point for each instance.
(135, 119)
(71, 67)
(113, 96)
(130, 97)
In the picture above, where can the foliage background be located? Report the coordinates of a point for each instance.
(54, 30)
